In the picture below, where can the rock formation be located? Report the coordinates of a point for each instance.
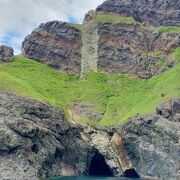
(110, 47)
(56, 44)
(90, 44)
(133, 49)
(150, 12)
(6, 53)
(152, 142)
(36, 140)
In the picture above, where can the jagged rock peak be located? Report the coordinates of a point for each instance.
(6, 53)
(150, 12)
(90, 16)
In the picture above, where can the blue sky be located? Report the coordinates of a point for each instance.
(19, 17)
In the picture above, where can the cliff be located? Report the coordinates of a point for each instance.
(149, 12)
(99, 124)
(56, 44)
(110, 40)
(37, 141)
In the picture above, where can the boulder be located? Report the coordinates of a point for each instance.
(6, 53)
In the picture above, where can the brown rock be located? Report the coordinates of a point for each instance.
(56, 44)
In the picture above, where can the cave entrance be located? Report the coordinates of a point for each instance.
(131, 173)
(98, 166)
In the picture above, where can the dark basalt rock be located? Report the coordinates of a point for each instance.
(6, 53)
(152, 142)
(56, 44)
(37, 141)
(149, 12)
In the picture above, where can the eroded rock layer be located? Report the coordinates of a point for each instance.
(133, 49)
(150, 12)
(56, 44)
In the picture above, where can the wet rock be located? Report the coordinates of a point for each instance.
(6, 53)
(150, 12)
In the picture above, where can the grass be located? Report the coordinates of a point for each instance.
(114, 19)
(165, 29)
(176, 54)
(118, 96)
(78, 26)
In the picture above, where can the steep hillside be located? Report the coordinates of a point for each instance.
(105, 99)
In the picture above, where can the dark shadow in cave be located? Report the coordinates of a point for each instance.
(98, 166)
(131, 173)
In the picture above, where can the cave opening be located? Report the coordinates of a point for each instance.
(131, 173)
(98, 166)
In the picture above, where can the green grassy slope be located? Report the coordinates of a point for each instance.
(176, 54)
(78, 26)
(165, 29)
(117, 96)
(114, 19)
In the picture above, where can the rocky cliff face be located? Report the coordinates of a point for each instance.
(152, 142)
(150, 12)
(37, 141)
(56, 44)
(110, 47)
(133, 49)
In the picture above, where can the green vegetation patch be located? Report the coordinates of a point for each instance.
(114, 19)
(78, 26)
(165, 29)
(176, 54)
(118, 97)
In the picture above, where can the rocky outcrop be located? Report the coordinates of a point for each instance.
(90, 44)
(152, 142)
(133, 49)
(150, 12)
(110, 47)
(56, 44)
(6, 53)
(37, 141)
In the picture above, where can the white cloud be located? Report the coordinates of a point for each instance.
(19, 17)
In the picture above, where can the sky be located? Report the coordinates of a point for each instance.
(19, 17)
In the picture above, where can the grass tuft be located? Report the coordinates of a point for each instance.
(176, 54)
(78, 26)
(114, 19)
(166, 29)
